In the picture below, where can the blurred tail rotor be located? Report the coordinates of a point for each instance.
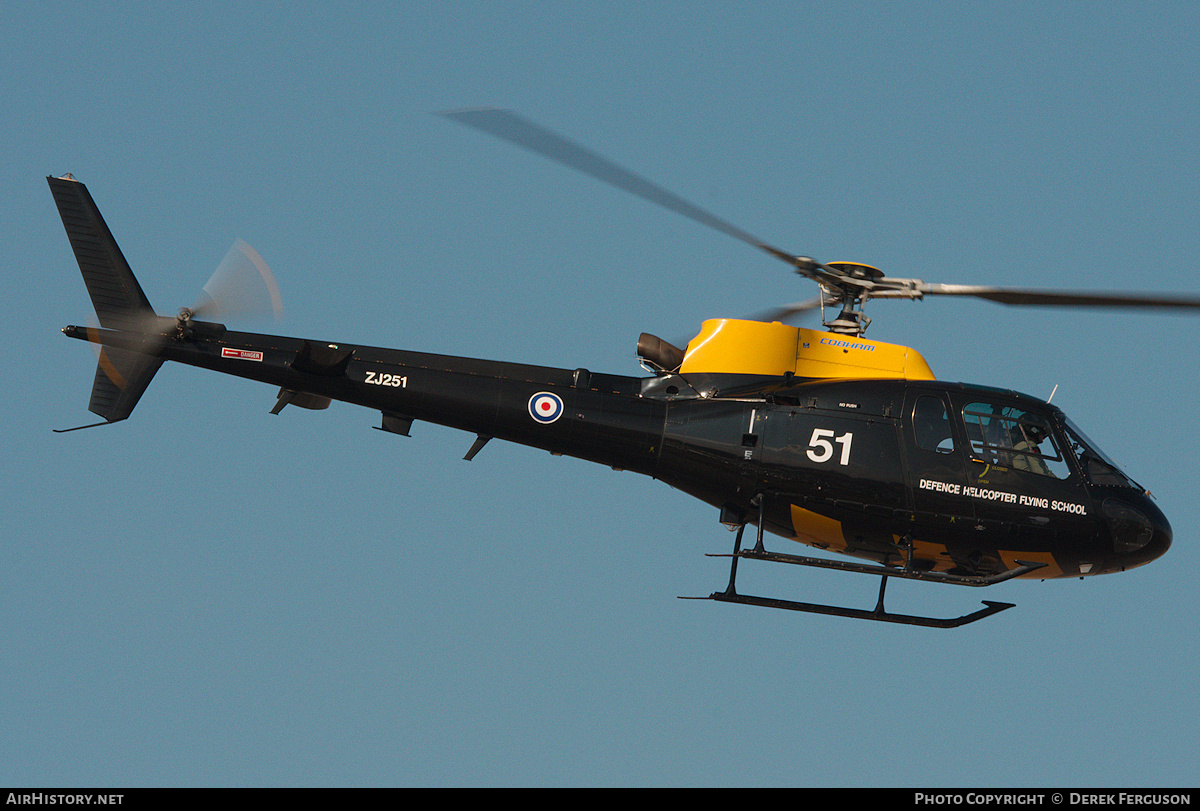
(242, 287)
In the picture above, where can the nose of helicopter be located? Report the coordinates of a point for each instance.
(1139, 533)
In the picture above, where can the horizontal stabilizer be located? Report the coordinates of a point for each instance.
(116, 294)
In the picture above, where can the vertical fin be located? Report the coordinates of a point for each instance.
(115, 293)
(121, 375)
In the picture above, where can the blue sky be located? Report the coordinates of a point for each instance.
(207, 594)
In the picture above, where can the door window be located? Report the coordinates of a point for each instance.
(1013, 438)
(931, 425)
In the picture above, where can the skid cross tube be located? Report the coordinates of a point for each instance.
(879, 613)
(1023, 567)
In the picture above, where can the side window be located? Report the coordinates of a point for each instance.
(931, 425)
(1006, 436)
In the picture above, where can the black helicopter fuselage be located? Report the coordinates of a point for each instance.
(836, 441)
(921, 472)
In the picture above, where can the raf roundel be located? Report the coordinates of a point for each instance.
(545, 407)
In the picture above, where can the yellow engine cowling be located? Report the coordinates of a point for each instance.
(731, 346)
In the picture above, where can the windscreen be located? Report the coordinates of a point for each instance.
(1096, 465)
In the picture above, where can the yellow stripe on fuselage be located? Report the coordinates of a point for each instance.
(817, 530)
(1051, 569)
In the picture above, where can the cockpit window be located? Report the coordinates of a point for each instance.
(1010, 437)
(1095, 464)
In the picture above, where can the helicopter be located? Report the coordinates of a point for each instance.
(840, 442)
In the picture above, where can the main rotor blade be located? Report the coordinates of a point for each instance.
(787, 314)
(515, 129)
(1061, 298)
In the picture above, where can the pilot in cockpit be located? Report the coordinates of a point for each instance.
(1027, 440)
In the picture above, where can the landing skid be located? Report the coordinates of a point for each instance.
(879, 613)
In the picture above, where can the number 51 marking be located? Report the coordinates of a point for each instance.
(820, 449)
